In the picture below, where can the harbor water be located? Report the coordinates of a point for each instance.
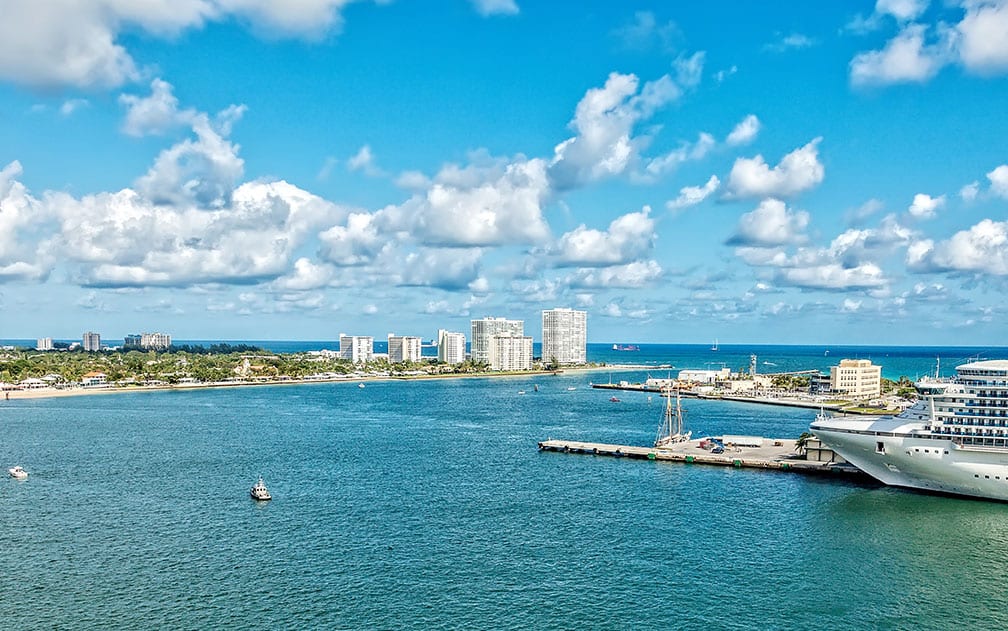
(426, 505)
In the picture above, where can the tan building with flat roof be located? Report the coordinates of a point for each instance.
(857, 378)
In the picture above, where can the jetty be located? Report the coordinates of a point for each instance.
(775, 454)
(761, 400)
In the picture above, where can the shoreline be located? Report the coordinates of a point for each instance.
(51, 393)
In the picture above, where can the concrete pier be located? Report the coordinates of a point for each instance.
(689, 394)
(774, 454)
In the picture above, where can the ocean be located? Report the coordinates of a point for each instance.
(426, 505)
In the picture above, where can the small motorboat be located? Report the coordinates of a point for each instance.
(614, 399)
(259, 492)
(17, 472)
(360, 385)
(571, 388)
(521, 392)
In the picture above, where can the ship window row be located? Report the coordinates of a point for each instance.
(976, 421)
(988, 394)
(977, 411)
(983, 438)
(987, 434)
(980, 413)
(973, 405)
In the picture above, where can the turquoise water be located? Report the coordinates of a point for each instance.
(426, 505)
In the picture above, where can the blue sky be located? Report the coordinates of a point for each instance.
(240, 169)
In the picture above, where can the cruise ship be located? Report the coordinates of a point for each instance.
(953, 440)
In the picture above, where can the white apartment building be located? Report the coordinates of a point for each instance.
(508, 351)
(486, 328)
(91, 341)
(402, 348)
(564, 336)
(147, 341)
(450, 347)
(858, 378)
(357, 348)
(44, 344)
(155, 341)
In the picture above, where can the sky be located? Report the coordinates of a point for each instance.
(785, 172)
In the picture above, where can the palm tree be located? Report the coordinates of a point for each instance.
(800, 442)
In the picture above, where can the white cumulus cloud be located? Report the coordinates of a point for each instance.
(925, 206)
(356, 243)
(745, 132)
(69, 43)
(903, 10)
(684, 153)
(905, 59)
(981, 249)
(798, 171)
(983, 36)
(124, 240)
(833, 276)
(154, 114)
(490, 202)
(451, 269)
(771, 224)
(693, 195)
(628, 238)
(970, 191)
(999, 181)
(631, 275)
(21, 216)
(202, 171)
(604, 121)
(364, 161)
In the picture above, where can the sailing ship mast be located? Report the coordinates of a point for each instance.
(670, 432)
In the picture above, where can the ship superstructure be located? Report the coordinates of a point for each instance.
(953, 440)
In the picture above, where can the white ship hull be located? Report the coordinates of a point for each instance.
(903, 454)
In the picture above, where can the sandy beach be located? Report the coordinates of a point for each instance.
(47, 393)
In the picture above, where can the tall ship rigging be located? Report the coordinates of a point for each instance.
(672, 429)
(953, 440)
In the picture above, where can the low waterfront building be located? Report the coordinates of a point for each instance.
(91, 341)
(44, 344)
(820, 384)
(357, 348)
(704, 376)
(661, 383)
(508, 351)
(403, 348)
(94, 379)
(564, 336)
(451, 347)
(484, 329)
(857, 378)
(815, 451)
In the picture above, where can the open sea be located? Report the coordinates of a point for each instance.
(426, 505)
